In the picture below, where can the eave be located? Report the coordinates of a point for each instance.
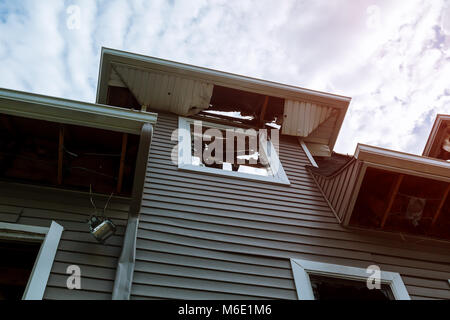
(109, 56)
(67, 111)
(403, 162)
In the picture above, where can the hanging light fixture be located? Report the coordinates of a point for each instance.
(101, 227)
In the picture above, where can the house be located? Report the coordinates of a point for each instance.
(182, 182)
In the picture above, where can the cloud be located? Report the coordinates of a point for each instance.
(391, 57)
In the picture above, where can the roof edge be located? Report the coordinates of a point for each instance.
(109, 55)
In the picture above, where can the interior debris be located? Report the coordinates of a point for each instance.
(69, 156)
(418, 205)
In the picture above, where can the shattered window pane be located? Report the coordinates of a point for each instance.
(238, 151)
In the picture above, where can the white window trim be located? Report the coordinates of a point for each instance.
(185, 158)
(42, 266)
(302, 268)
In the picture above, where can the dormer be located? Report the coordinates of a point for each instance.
(147, 83)
(385, 190)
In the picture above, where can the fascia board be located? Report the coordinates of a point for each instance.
(431, 138)
(60, 110)
(396, 159)
(109, 56)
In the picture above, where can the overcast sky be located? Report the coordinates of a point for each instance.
(391, 57)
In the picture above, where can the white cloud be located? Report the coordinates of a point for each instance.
(391, 57)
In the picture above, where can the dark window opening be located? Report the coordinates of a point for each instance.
(247, 107)
(397, 202)
(329, 288)
(16, 263)
(246, 157)
(68, 156)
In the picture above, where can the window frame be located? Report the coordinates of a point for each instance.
(302, 268)
(185, 158)
(49, 238)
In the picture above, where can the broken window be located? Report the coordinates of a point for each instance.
(242, 153)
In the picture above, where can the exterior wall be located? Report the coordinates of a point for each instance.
(213, 237)
(38, 206)
(338, 188)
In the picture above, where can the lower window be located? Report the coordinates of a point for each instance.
(324, 281)
(17, 260)
(27, 254)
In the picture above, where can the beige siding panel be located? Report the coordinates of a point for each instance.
(162, 91)
(301, 118)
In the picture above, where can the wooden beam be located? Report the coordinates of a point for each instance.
(263, 111)
(60, 152)
(122, 162)
(392, 193)
(441, 204)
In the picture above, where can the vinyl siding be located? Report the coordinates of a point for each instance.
(38, 206)
(213, 237)
(338, 188)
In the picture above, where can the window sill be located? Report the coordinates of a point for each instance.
(234, 174)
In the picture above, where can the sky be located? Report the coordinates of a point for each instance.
(391, 57)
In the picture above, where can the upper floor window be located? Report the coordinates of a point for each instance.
(224, 150)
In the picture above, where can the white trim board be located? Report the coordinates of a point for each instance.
(440, 118)
(302, 268)
(402, 160)
(185, 156)
(41, 270)
(308, 153)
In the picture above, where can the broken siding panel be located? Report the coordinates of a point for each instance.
(162, 91)
(235, 228)
(39, 206)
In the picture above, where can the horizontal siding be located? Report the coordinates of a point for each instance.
(31, 205)
(205, 237)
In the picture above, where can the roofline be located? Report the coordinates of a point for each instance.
(436, 125)
(42, 107)
(218, 77)
(402, 160)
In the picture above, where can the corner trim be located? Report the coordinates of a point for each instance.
(125, 266)
(308, 153)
